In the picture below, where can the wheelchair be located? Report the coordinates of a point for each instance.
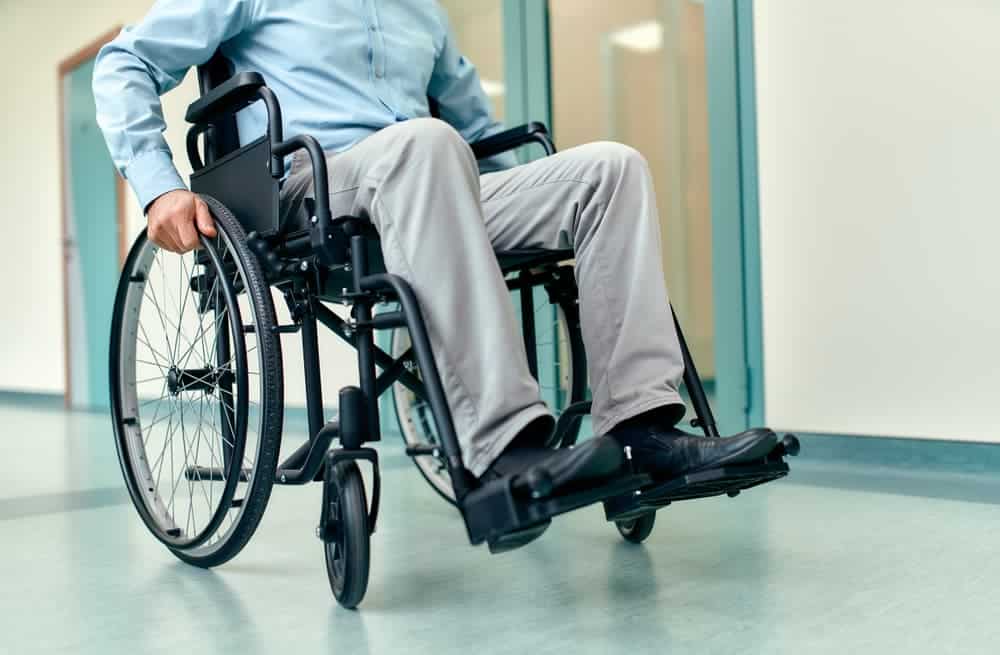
(197, 382)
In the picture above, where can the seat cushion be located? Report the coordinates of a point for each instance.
(512, 260)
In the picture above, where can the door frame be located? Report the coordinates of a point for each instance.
(732, 103)
(65, 67)
(526, 62)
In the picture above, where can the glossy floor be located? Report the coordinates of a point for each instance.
(826, 561)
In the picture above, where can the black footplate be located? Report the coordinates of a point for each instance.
(506, 517)
(730, 480)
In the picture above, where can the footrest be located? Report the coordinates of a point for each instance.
(517, 538)
(714, 482)
(497, 514)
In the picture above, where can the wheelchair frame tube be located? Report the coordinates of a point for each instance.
(310, 357)
(432, 380)
(365, 340)
(275, 129)
(382, 358)
(227, 418)
(282, 149)
(695, 389)
(527, 297)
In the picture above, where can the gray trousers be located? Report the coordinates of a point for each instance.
(440, 222)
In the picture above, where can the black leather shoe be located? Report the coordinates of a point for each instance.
(667, 454)
(586, 464)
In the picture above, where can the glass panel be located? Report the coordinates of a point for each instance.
(634, 71)
(478, 26)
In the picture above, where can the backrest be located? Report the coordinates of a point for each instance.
(225, 137)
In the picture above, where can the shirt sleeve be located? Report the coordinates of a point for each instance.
(462, 103)
(142, 63)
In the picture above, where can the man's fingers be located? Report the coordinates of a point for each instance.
(206, 224)
(161, 236)
(187, 235)
(169, 242)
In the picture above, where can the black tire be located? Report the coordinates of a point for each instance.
(348, 556)
(578, 393)
(254, 425)
(638, 529)
(420, 429)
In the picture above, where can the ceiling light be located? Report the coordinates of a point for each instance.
(646, 36)
(493, 88)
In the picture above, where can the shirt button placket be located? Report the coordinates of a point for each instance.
(378, 57)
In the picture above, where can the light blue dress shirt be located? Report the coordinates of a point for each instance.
(342, 70)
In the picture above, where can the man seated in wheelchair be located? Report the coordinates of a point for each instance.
(361, 78)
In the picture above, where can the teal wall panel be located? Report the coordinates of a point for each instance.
(93, 218)
(735, 213)
(727, 227)
(753, 300)
(526, 61)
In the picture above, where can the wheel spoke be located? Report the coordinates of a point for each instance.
(167, 442)
(159, 312)
(189, 430)
(157, 355)
(190, 515)
(148, 429)
(155, 377)
(164, 394)
(180, 311)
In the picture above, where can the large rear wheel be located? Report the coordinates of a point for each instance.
(196, 391)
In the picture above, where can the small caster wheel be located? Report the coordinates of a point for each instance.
(790, 445)
(636, 530)
(348, 553)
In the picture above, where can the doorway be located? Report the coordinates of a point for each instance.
(93, 230)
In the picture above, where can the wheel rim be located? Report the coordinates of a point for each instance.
(338, 567)
(347, 508)
(181, 402)
(416, 420)
(335, 550)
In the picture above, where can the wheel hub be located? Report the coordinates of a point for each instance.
(197, 379)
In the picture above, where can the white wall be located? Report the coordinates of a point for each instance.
(879, 144)
(35, 37)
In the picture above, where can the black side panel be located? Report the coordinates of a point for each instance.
(242, 182)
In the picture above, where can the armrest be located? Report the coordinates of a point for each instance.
(234, 94)
(513, 138)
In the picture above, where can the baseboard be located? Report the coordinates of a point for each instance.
(950, 470)
(915, 455)
(32, 399)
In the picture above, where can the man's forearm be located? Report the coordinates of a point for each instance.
(144, 62)
(131, 117)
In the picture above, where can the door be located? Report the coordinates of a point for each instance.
(91, 244)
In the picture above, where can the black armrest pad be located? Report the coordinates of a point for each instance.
(229, 97)
(515, 137)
